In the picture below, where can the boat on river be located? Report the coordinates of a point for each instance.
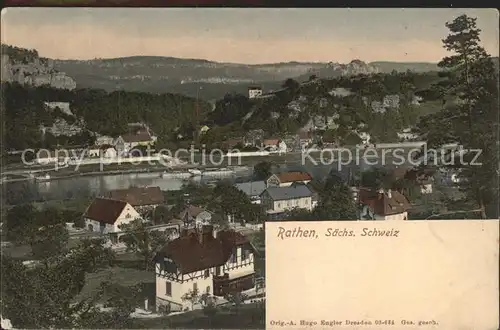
(218, 172)
(176, 175)
(42, 178)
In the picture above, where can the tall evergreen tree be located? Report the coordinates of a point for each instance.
(470, 114)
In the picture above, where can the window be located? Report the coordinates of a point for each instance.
(168, 289)
(207, 273)
(208, 290)
(128, 216)
(195, 287)
(233, 257)
(217, 270)
(279, 205)
(244, 255)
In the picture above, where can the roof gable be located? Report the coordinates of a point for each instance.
(193, 251)
(382, 204)
(285, 177)
(105, 210)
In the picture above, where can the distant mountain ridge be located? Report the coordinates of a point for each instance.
(208, 79)
(193, 77)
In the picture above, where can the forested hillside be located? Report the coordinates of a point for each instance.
(99, 111)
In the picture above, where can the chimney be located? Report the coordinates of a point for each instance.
(207, 233)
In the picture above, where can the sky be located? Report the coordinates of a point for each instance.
(242, 35)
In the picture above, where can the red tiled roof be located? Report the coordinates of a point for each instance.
(196, 251)
(382, 204)
(293, 176)
(136, 196)
(271, 142)
(105, 210)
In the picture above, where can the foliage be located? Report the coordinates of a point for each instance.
(143, 242)
(469, 114)
(376, 178)
(192, 296)
(262, 170)
(335, 201)
(45, 231)
(230, 202)
(236, 298)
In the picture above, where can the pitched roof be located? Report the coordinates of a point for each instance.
(382, 204)
(193, 252)
(192, 211)
(136, 196)
(105, 210)
(293, 176)
(292, 192)
(253, 188)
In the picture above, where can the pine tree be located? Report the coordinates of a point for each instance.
(470, 114)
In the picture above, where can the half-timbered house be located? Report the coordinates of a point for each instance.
(205, 261)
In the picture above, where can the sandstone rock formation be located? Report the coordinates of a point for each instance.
(32, 70)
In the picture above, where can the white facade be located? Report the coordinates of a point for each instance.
(392, 217)
(282, 148)
(104, 140)
(254, 92)
(172, 286)
(127, 215)
(279, 206)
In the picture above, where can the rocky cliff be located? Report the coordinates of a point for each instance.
(27, 68)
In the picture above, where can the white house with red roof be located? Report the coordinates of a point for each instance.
(286, 179)
(203, 261)
(105, 215)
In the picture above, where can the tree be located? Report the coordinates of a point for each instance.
(209, 303)
(192, 296)
(335, 202)
(469, 115)
(17, 220)
(236, 298)
(262, 170)
(93, 253)
(142, 241)
(376, 178)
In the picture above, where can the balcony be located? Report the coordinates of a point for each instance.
(224, 284)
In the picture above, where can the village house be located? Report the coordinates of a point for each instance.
(422, 178)
(252, 189)
(383, 205)
(277, 200)
(233, 143)
(407, 135)
(203, 261)
(105, 215)
(315, 194)
(101, 140)
(305, 138)
(275, 145)
(142, 199)
(204, 129)
(125, 143)
(104, 151)
(195, 216)
(285, 179)
(254, 91)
